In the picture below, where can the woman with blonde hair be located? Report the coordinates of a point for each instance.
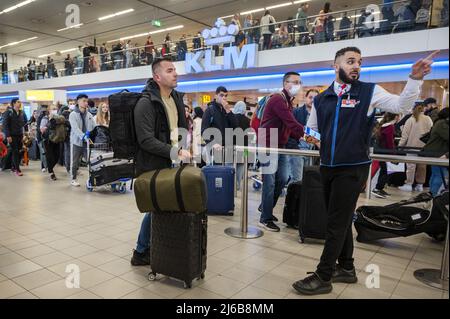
(102, 118)
(417, 125)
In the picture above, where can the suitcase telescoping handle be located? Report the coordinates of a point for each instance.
(223, 156)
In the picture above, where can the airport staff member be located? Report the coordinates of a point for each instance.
(344, 115)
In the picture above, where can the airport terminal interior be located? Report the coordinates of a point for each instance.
(71, 223)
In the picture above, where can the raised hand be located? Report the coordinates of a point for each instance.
(422, 68)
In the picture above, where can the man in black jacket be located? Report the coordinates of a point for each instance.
(218, 115)
(158, 115)
(14, 125)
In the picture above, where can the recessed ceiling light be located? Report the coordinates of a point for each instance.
(17, 42)
(279, 5)
(115, 14)
(21, 4)
(147, 33)
(251, 11)
(72, 27)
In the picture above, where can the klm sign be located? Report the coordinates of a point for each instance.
(234, 58)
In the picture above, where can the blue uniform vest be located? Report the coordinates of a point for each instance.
(345, 131)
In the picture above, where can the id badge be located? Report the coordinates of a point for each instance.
(349, 103)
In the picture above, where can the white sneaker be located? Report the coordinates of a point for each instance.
(406, 188)
(74, 183)
(419, 188)
(44, 170)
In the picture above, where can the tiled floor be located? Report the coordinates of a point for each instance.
(46, 226)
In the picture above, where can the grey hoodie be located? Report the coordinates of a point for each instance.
(76, 125)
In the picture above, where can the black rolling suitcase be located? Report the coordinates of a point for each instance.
(292, 205)
(178, 246)
(313, 212)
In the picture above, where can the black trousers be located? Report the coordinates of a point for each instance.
(16, 146)
(52, 155)
(267, 41)
(383, 177)
(342, 186)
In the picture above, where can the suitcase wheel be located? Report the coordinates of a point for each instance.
(256, 186)
(187, 285)
(302, 240)
(122, 189)
(152, 276)
(89, 186)
(202, 276)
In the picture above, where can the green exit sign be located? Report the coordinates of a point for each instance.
(156, 23)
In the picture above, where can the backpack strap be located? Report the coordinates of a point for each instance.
(178, 189)
(211, 120)
(153, 190)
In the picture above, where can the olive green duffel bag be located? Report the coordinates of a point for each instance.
(181, 189)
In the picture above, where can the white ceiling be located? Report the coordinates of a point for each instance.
(43, 18)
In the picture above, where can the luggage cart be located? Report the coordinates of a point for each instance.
(97, 155)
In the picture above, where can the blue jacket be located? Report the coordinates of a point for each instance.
(344, 125)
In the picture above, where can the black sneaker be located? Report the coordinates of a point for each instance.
(270, 226)
(141, 259)
(53, 177)
(378, 193)
(341, 275)
(384, 193)
(313, 285)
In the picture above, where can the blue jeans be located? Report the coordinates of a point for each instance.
(296, 165)
(273, 185)
(143, 242)
(437, 179)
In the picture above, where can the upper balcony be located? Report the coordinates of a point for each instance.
(389, 45)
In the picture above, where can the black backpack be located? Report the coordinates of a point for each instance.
(121, 126)
(57, 129)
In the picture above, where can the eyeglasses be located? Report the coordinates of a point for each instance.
(295, 82)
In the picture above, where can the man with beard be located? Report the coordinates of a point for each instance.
(344, 115)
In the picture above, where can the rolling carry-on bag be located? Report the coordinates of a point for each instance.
(292, 205)
(178, 246)
(220, 188)
(313, 214)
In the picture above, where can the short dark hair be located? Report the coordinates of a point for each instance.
(158, 61)
(13, 101)
(82, 96)
(221, 89)
(342, 51)
(443, 114)
(430, 100)
(91, 103)
(312, 90)
(287, 75)
(267, 12)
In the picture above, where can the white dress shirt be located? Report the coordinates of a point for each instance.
(381, 99)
